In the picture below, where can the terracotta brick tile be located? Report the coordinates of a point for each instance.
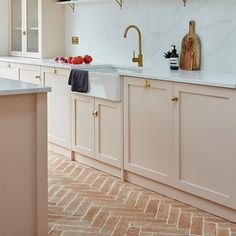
(124, 192)
(79, 233)
(184, 221)
(74, 203)
(132, 199)
(100, 219)
(76, 228)
(99, 182)
(115, 189)
(197, 226)
(50, 226)
(83, 208)
(107, 185)
(62, 166)
(83, 175)
(133, 231)
(215, 220)
(142, 220)
(173, 216)
(110, 224)
(91, 213)
(84, 201)
(163, 211)
(68, 169)
(91, 178)
(66, 199)
(142, 201)
(59, 195)
(54, 210)
(76, 172)
(145, 234)
(223, 232)
(53, 190)
(209, 229)
(152, 206)
(55, 233)
(164, 230)
(121, 228)
(61, 217)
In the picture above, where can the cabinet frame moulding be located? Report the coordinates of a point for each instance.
(71, 4)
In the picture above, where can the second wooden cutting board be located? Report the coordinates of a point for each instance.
(190, 50)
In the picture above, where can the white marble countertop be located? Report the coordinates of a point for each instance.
(217, 79)
(12, 87)
(48, 63)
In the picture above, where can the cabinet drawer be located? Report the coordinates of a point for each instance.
(8, 70)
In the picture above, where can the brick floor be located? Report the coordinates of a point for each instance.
(85, 201)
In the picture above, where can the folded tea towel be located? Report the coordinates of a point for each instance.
(78, 80)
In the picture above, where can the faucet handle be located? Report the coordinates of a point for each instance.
(133, 54)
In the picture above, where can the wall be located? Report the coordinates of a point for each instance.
(4, 27)
(100, 25)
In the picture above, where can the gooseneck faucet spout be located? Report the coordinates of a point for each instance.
(138, 59)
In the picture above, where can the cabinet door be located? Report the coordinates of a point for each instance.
(59, 118)
(16, 25)
(148, 127)
(83, 124)
(32, 25)
(108, 132)
(8, 70)
(29, 73)
(205, 142)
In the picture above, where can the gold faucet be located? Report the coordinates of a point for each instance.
(138, 59)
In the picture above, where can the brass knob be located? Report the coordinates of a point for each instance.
(174, 99)
(54, 71)
(146, 84)
(24, 32)
(9, 65)
(37, 77)
(95, 113)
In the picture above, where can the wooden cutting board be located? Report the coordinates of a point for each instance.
(190, 50)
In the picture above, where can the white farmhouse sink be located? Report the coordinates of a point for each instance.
(105, 82)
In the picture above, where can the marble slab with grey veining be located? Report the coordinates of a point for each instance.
(217, 79)
(13, 87)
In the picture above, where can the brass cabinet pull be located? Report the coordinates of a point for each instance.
(174, 99)
(54, 71)
(146, 84)
(24, 32)
(37, 77)
(9, 65)
(95, 113)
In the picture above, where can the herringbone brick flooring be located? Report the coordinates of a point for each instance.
(84, 201)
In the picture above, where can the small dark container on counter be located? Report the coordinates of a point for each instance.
(174, 59)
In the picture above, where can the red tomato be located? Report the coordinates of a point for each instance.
(75, 60)
(88, 59)
(69, 59)
(80, 59)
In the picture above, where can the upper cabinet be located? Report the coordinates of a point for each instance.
(34, 22)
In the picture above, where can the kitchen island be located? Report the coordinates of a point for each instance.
(23, 159)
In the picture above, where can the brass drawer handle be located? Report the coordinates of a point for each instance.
(9, 65)
(146, 84)
(174, 99)
(38, 77)
(95, 113)
(54, 71)
(24, 32)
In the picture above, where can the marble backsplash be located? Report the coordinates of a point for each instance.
(100, 24)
